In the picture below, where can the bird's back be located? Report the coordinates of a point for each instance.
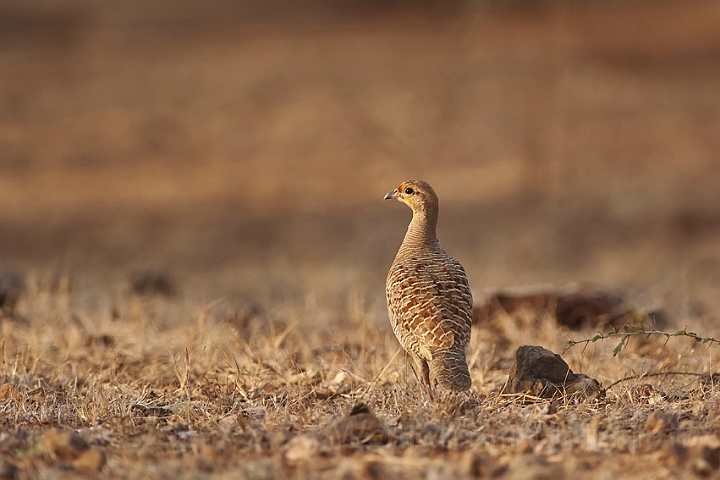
(430, 309)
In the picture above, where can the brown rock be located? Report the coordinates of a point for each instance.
(542, 373)
(360, 426)
(574, 305)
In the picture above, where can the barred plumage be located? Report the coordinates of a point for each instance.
(428, 296)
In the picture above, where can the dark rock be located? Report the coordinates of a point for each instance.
(574, 306)
(12, 286)
(542, 373)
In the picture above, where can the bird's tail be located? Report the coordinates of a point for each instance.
(451, 370)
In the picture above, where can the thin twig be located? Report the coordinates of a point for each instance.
(625, 337)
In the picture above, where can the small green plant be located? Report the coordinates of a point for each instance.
(625, 337)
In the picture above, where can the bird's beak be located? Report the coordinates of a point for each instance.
(391, 194)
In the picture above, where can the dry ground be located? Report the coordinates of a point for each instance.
(169, 387)
(243, 148)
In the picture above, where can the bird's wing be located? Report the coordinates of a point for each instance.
(430, 305)
(452, 299)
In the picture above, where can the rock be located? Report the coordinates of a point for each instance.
(574, 306)
(542, 373)
(12, 286)
(360, 426)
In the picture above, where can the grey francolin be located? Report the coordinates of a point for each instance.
(428, 296)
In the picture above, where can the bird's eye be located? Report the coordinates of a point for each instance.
(409, 191)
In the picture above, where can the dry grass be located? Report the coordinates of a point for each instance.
(172, 387)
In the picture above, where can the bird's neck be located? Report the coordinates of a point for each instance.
(422, 228)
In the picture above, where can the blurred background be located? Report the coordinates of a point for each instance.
(246, 142)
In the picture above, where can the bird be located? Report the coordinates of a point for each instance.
(428, 295)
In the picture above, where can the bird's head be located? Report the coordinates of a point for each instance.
(416, 194)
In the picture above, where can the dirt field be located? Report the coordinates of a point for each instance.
(193, 201)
